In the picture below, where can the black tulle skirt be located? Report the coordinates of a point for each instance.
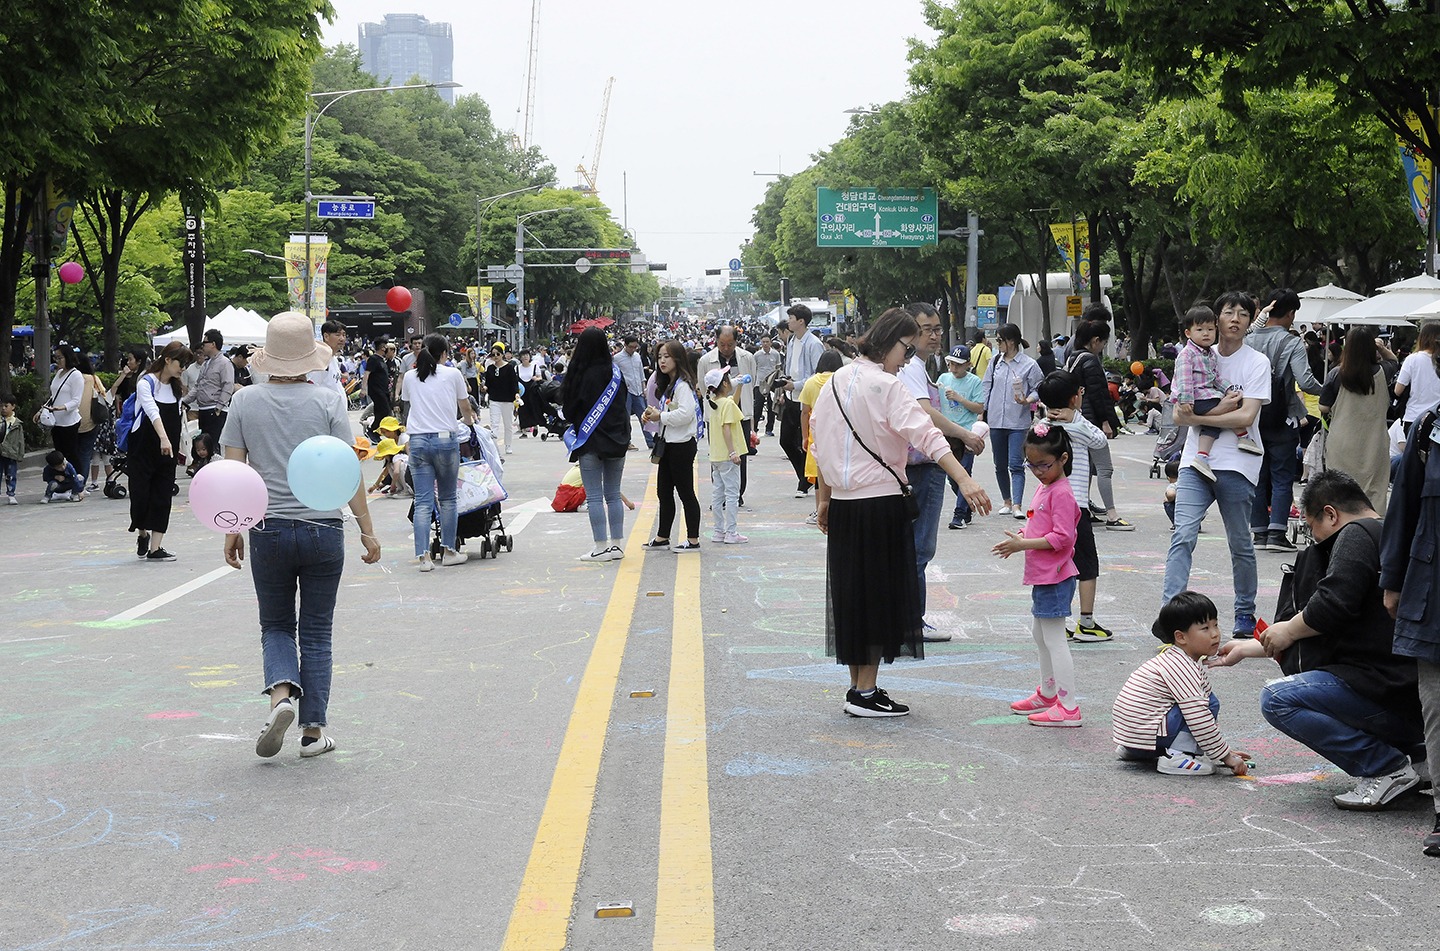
(872, 604)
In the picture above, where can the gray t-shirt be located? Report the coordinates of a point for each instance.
(269, 420)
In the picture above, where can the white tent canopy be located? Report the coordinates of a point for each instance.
(235, 325)
(1318, 304)
(1395, 301)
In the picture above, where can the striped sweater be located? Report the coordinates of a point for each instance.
(1167, 680)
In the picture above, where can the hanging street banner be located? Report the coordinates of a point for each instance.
(295, 275)
(876, 217)
(1418, 172)
(480, 298)
(1074, 244)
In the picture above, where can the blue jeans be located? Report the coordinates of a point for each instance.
(287, 556)
(86, 443)
(9, 471)
(1193, 498)
(1174, 723)
(601, 478)
(1275, 492)
(928, 481)
(635, 405)
(1353, 732)
(962, 508)
(435, 467)
(1008, 448)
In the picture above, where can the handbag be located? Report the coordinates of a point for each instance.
(99, 409)
(47, 412)
(657, 451)
(907, 491)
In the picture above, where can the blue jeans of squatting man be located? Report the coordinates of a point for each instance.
(289, 557)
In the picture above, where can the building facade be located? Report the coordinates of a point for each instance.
(406, 45)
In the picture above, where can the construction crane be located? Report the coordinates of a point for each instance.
(524, 132)
(586, 179)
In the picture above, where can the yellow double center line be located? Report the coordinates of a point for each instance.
(685, 906)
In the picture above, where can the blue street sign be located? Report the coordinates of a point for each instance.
(735, 264)
(511, 299)
(345, 209)
(454, 320)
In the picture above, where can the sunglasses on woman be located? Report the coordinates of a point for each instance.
(909, 352)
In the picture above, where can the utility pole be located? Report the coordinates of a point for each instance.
(972, 268)
(520, 283)
(40, 255)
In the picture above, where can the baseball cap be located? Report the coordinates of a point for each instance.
(713, 378)
(960, 354)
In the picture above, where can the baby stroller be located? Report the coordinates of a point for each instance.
(1170, 442)
(114, 488)
(478, 497)
(548, 404)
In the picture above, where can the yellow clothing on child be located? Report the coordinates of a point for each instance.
(572, 477)
(719, 416)
(809, 393)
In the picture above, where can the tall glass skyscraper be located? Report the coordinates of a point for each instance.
(407, 44)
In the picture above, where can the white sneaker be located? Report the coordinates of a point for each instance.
(813, 518)
(13, 501)
(426, 562)
(1377, 792)
(1175, 763)
(616, 552)
(454, 557)
(1019, 513)
(1003, 510)
(599, 554)
(1203, 470)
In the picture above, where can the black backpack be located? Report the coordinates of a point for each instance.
(1274, 415)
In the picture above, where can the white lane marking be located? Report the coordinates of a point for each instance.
(177, 592)
(525, 513)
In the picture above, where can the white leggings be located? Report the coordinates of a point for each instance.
(502, 415)
(1057, 670)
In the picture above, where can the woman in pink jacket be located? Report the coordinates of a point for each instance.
(864, 422)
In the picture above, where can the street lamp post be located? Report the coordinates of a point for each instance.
(520, 262)
(489, 205)
(310, 123)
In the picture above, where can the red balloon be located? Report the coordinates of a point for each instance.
(398, 299)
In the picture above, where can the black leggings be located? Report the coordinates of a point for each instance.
(677, 477)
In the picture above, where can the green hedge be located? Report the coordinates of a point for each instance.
(29, 399)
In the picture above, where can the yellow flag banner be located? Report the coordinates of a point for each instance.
(1073, 242)
(1418, 172)
(295, 276)
(487, 303)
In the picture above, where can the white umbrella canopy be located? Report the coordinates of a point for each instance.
(1319, 303)
(1395, 301)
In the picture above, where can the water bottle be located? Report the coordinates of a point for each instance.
(743, 380)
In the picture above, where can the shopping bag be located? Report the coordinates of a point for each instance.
(477, 487)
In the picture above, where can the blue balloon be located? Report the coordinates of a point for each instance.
(323, 473)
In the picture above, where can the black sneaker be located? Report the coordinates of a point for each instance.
(159, 554)
(1280, 541)
(656, 544)
(1261, 541)
(852, 695)
(1432, 841)
(142, 544)
(877, 704)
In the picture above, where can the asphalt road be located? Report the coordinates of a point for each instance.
(498, 778)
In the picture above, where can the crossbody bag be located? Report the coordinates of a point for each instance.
(907, 491)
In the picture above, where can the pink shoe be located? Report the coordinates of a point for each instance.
(1057, 715)
(1036, 701)
(736, 539)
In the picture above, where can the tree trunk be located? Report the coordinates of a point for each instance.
(1096, 294)
(18, 211)
(40, 257)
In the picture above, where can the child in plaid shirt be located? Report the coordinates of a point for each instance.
(1197, 383)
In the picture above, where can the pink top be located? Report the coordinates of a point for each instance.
(886, 417)
(1056, 519)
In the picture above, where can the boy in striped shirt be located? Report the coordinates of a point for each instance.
(1166, 710)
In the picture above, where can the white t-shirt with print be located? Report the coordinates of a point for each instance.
(1249, 370)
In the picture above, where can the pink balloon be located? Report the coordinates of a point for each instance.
(228, 496)
(71, 273)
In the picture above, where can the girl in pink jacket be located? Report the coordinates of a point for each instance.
(1048, 541)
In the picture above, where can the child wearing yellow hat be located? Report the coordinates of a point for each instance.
(392, 478)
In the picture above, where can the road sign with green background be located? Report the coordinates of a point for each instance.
(876, 217)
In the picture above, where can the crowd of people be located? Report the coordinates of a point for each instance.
(884, 429)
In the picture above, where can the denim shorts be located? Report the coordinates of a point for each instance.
(1052, 600)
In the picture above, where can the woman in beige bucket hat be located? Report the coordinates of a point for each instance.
(295, 548)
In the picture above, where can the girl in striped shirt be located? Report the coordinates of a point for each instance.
(1166, 710)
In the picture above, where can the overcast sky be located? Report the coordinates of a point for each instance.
(705, 95)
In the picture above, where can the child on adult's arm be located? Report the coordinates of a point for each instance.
(1166, 711)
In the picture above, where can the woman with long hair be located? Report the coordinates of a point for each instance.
(532, 374)
(873, 608)
(1355, 398)
(1420, 374)
(599, 445)
(298, 552)
(1008, 391)
(150, 454)
(438, 398)
(679, 426)
(67, 388)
